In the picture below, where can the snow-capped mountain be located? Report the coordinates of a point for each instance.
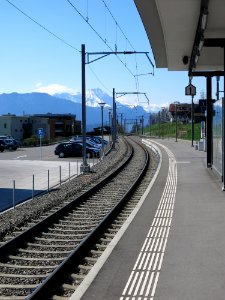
(43, 103)
(93, 97)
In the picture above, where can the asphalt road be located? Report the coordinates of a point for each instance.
(28, 167)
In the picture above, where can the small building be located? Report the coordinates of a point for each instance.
(61, 125)
(183, 110)
(53, 125)
(22, 127)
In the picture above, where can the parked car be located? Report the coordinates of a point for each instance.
(74, 149)
(10, 144)
(3, 137)
(89, 143)
(2, 145)
(96, 140)
(99, 139)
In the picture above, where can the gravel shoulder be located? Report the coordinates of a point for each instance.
(34, 209)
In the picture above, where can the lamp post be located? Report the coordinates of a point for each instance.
(176, 116)
(159, 121)
(102, 104)
(142, 125)
(162, 120)
(149, 124)
(110, 122)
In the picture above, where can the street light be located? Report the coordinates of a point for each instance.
(176, 116)
(159, 121)
(162, 121)
(102, 104)
(110, 121)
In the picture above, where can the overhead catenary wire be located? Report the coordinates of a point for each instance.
(87, 21)
(127, 40)
(46, 29)
(97, 78)
(105, 42)
(43, 27)
(117, 24)
(96, 32)
(87, 18)
(136, 77)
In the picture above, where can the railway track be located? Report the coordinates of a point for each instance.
(34, 261)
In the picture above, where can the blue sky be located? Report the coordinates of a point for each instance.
(31, 59)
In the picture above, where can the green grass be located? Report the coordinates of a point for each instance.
(169, 130)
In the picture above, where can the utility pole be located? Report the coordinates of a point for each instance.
(114, 121)
(159, 120)
(84, 167)
(176, 103)
(192, 121)
(142, 125)
(149, 124)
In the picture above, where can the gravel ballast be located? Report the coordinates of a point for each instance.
(40, 205)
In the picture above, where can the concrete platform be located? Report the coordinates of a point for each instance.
(174, 248)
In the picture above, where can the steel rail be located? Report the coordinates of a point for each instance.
(20, 240)
(46, 288)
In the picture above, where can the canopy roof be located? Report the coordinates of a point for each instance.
(185, 34)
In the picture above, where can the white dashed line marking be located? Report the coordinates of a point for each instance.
(144, 277)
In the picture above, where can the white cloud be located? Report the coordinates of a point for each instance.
(53, 88)
(131, 101)
(38, 84)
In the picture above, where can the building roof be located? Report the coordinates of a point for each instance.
(175, 29)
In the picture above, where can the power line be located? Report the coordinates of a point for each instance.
(117, 24)
(102, 84)
(43, 27)
(87, 21)
(127, 40)
(95, 31)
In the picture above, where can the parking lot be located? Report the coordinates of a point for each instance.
(32, 170)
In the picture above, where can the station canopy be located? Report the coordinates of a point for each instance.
(185, 35)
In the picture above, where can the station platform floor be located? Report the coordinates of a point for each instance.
(173, 247)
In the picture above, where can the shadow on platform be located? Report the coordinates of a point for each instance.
(20, 195)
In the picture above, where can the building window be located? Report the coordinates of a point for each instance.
(15, 130)
(5, 125)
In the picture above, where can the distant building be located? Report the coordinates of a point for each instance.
(183, 110)
(53, 125)
(62, 125)
(21, 127)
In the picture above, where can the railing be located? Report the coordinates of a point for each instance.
(20, 188)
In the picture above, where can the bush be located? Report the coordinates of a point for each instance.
(30, 142)
(35, 141)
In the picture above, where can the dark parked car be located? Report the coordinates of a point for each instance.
(89, 143)
(2, 145)
(95, 140)
(100, 140)
(74, 149)
(10, 144)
